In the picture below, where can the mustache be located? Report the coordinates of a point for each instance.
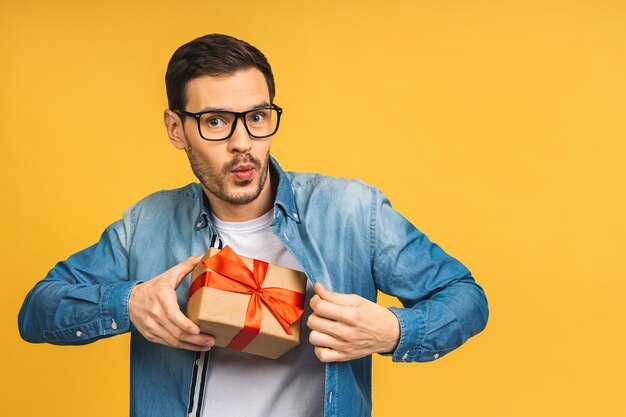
(242, 159)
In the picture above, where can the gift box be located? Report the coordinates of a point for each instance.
(248, 305)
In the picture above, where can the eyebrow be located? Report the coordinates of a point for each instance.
(216, 109)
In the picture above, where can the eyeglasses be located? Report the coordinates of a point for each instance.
(215, 126)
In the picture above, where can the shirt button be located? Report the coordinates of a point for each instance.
(199, 225)
(191, 415)
(113, 325)
(199, 362)
(78, 333)
(295, 216)
(436, 355)
(406, 355)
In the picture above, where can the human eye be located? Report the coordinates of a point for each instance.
(213, 120)
(257, 117)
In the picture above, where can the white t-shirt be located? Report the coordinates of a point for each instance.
(244, 385)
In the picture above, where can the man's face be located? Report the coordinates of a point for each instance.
(234, 170)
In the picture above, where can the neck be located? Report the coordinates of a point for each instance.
(243, 212)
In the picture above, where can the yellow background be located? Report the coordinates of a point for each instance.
(497, 127)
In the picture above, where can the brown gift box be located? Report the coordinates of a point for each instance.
(223, 313)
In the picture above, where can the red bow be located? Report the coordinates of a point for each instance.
(230, 273)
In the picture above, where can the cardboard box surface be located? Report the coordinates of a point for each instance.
(222, 313)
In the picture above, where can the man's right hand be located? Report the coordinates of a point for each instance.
(154, 311)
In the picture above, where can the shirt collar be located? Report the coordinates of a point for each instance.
(284, 195)
(284, 199)
(203, 217)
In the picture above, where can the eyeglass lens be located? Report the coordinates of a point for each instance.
(218, 125)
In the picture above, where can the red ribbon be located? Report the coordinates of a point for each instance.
(230, 273)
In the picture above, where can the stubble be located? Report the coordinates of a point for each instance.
(215, 179)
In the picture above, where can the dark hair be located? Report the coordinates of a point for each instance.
(213, 55)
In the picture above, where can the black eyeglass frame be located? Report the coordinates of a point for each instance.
(237, 115)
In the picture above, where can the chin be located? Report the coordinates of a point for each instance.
(245, 196)
(244, 183)
(242, 199)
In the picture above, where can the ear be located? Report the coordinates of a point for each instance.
(174, 128)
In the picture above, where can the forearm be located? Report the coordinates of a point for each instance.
(443, 305)
(433, 327)
(62, 313)
(83, 298)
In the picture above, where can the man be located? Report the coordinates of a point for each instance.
(342, 233)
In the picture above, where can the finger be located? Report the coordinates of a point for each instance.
(330, 327)
(172, 312)
(180, 344)
(201, 339)
(158, 329)
(325, 340)
(334, 297)
(314, 301)
(180, 271)
(332, 311)
(194, 347)
(328, 355)
(177, 336)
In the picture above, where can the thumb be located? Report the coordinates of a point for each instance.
(333, 297)
(180, 271)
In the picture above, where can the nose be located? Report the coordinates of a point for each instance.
(240, 141)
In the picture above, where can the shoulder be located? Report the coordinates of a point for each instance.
(334, 189)
(188, 193)
(165, 200)
(315, 182)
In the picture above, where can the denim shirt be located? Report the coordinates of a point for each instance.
(343, 232)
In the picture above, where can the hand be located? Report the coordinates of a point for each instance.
(154, 311)
(347, 326)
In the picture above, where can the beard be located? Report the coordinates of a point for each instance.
(216, 180)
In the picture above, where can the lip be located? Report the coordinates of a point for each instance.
(244, 172)
(243, 168)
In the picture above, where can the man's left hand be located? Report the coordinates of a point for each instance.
(348, 326)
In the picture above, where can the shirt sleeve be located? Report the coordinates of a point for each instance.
(443, 306)
(84, 298)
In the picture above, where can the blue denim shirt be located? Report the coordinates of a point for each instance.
(343, 232)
